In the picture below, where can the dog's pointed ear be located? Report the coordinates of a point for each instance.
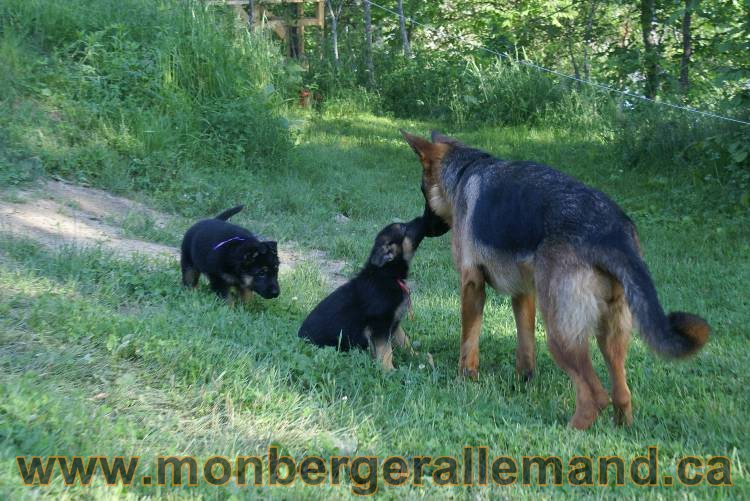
(250, 252)
(421, 146)
(429, 154)
(438, 137)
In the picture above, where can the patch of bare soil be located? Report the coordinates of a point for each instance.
(61, 214)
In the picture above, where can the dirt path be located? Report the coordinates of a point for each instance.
(61, 214)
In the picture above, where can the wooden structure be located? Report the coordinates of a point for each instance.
(285, 17)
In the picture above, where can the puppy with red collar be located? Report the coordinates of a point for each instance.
(366, 311)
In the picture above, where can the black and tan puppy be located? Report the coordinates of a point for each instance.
(366, 311)
(540, 236)
(231, 257)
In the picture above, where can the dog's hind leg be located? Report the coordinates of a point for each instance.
(574, 359)
(569, 294)
(524, 311)
(472, 308)
(190, 275)
(613, 339)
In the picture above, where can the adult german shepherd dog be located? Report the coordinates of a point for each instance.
(537, 234)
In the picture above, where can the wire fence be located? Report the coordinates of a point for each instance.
(531, 64)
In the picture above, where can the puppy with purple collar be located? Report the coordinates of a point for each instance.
(231, 257)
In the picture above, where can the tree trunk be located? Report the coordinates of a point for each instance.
(402, 24)
(687, 45)
(587, 39)
(368, 45)
(250, 13)
(573, 61)
(334, 32)
(650, 47)
(569, 36)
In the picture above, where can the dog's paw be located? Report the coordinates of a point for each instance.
(468, 373)
(525, 375)
(623, 417)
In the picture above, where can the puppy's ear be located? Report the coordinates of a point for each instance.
(251, 252)
(381, 255)
(271, 245)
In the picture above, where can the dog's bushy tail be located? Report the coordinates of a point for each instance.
(229, 213)
(676, 335)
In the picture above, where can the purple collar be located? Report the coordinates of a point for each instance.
(216, 247)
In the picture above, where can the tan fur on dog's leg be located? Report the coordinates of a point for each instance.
(246, 295)
(613, 339)
(472, 308)
(571, 296)
(524, 311)
(190, 277)
(402, 340)
(574, 360)
(383, 353)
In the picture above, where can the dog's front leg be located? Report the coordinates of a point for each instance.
(219, 286)
(383, 352)
(246, 295)
(472, 308)
(402, 340)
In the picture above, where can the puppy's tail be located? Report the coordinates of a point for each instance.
(229, 213)
(676, 335)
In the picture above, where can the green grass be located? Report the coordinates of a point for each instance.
(170, 104)
(134, 91)
(186, 374)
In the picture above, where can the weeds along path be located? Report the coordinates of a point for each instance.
(58, 214)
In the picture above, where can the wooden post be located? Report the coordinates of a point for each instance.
(300, 49)
(250, 9)
(290, 28)
(368, 45)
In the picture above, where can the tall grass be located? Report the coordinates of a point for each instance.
(464, 91)
(135, 90)
(468, 92)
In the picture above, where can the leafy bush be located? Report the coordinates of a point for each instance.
(654, 138)
(459, 90)
(465, 92)
(138, 88)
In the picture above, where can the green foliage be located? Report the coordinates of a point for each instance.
(461, 90)
(450, 80)
(138, 89)
(101, 355)
(656, 140)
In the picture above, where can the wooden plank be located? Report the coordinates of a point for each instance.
(283, 27)
(228, 2)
